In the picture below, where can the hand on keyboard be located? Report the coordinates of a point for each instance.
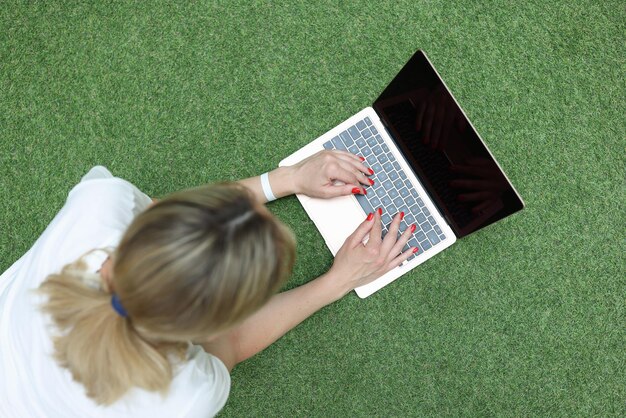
(330, 174)
(356, 264)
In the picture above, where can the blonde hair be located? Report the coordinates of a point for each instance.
(194, 264)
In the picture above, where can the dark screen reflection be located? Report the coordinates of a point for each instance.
(444, 150)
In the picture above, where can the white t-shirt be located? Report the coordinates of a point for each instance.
(32, 384)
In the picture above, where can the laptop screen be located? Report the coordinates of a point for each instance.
(443, 148)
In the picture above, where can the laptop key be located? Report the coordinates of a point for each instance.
(396, 165)
(371, 159)
(366, 151)
(382, 176)
(393, 193)
(385, 200)
(398, 184)
(368, 121)
(374, 130)
(432, 221)
(346, 138)
(354, 132)
(414, 193)
(385, 148)
(371, 142)
(393, 175)
(380, 192)
(387, 185)
(426, 211)
(376, 167)
(367, 207)
(409, 200)
(360, 142)
(410, 219)
(379, 139)
(432, 236)
(420, 218)
(375, 202)
(383, 158)
(386, 219)
(388, 167)
(426, 227)
(366, 133)
(420, 202)
(328, 145)
(420, 235)
(338, 143)
(360, 125)
(425, 245)
(403, 175)
(442, 237)
(377, 150)
(438, 230)
(398, 201)
(353, 149)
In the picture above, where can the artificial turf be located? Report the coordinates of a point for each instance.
(524, 318)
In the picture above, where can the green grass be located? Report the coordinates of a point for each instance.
(524, 318)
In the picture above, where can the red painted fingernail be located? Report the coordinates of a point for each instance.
(415, 249)
(361, 158)
(371, 182)
(380, 211)
(364, 191)
(371, 171)
(370, 216)
(401, 215)
(413, 228)
(356, 190)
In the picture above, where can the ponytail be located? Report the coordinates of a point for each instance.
(101, 349)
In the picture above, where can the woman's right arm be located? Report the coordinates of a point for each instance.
(355, 265)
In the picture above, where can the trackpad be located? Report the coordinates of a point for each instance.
(335, 218)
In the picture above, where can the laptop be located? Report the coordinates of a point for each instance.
(428, 161)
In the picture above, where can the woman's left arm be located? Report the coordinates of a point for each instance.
(325, 174)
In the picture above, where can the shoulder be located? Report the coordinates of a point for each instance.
(203, 381)
(95, 215)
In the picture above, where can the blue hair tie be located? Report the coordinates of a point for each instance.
(117, 306)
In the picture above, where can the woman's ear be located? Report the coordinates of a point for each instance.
(105, 273)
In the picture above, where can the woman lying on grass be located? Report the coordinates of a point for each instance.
(148, 306)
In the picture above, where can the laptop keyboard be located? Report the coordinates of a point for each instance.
(392, 190)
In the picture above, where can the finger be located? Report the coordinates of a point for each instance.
(342, 190)
(357, 164)
(362, 230)
(392, 235)
(402, 240)
(376, 232)
(338, 171)
(358, 174)
(342, 153)
(401, 258)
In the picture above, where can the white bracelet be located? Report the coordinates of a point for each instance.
(267, 189)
